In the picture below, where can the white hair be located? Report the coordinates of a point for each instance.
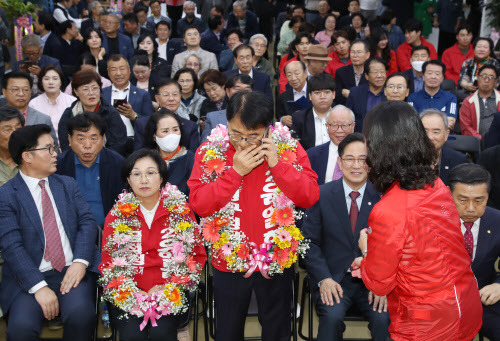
(435, 112)
(31, 40)
(240, 3)
(188, 3)
(339, 108)
(258, 36)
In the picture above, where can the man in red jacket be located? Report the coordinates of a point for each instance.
(455, 56)
(340, 57)
(247, 180)
(413, 30)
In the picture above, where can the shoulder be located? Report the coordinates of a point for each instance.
(453, 155)
(491, 214)
(39, 116)
(344, 70)
(111, 155)
(448, 95)
(259, 74)
(300, 115)
(314, 151)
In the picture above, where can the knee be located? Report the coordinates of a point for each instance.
(332, 315)
(82, 314)
(22, 329)
(380, 320)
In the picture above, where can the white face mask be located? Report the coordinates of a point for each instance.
(417, 65)
(168, 143)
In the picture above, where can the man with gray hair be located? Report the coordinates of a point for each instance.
(11, 119)
(340, 122)
(189, 20)
(243, 19)
(435, 123)
(259, 44)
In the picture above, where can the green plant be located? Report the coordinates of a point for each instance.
(17, 8)
(494, 12)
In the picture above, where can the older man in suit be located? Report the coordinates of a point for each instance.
(214, 38)
(333, 225)
(167, 48)
(469, 186)
(241, 15)
(435, 123)
(48, 242)
(489, 160)
(295, 96)
(113, 41)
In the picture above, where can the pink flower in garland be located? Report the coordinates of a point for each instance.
(177, 248)
(284, 235)
(227, 249)
(282, 200)
(179, 258)
(120, 261)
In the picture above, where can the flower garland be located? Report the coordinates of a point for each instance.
(285, 241)
(179, 268)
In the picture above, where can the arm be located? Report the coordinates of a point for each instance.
(208, 128)
(403, 58)
(267, 88)
(147, 105)
(63, 132)
(466, 116)
(176, 65)
(213, 62)
(116, 134)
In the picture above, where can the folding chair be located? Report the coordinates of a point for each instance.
(465, 144)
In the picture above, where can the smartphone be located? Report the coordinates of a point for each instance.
(26, 65)
(118, 102)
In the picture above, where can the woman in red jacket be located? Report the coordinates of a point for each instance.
(152, 252)
(415, 252)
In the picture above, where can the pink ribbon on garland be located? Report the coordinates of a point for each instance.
(150, 315)
(259, 259)
(21, 24)
(112, 5)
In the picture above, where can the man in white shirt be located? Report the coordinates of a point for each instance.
(48, 242)
(323, 158)
(295, 96)
(61, 13)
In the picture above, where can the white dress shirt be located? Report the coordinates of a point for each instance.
(149, 215)
(122, 94)
(162, 49)
(320, 129)
(302, 93)
(333, 153)
(348, 200)
(250, 74)
(475, 233)
(60, 13)
(36, 193)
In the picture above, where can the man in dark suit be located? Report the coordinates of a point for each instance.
(95, 11)
(132, 29)
(349, 76)
(469, 186)
(243, 58)
(489, 160)
(167, 48)
(492, 138)
(113, 41)
(333, 225)
(71, 47)
(340, 123)
(169, 96)
(435, 123)
(48, 242)
(419, 55)
(345, 21)
(295, 96)
(189, 20)
(309, 125)
(365, 96)
(95, 168)
(214, 38)
(44, 26)
(240, 13)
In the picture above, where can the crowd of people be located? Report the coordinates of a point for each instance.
(171, 129)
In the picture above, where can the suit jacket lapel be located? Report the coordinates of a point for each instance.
(324, 155)
(57, 193)
(369, 199)
(132, 95)
(482, 241)
(339, 202)
(310, 130)
(26, 200)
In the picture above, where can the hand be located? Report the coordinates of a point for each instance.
(34, 69)
(337, 14)
(435, 23)
(470, 87)
(328, 288)
(73, 277)
(363, 240)
(202, 124)
(47, 300)
(490, 294)
(85, 12)
(155, 289)
(270, 152)
(245, 160)
(379, 302)
(85, 19)
(101, 54)
(127, 111)
(451, 123)
(155, 105)
(287, 120)
(345, 93)
(79, 37)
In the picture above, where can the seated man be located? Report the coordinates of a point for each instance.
(71, 48)
(396, 87)
(95, 168)
(456, 55)
(432, 96)
(259, 44)
(189, 20)
(44, 26)
(435, 123)
(17, 91)
(489, 160)
(167, 48)
(214, 39)
(295, 96)
(317, 59)
(340, 56)
(340, 123)
(234, 84)
(48, 242)
(345, 21)
(132, 28)
(333, 225)
(413, 30)
(168, 96)
(486, 98)
(156, 16)
(349, 76)
(226, 57)
(419, 55)
(365, 96)
(469, 186)
(309, 126)
(243, 19)
(10, 120)
(243, 58)
(113, 41)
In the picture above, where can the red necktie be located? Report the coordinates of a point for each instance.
(353, 213)
(469, 239)
(53, 247)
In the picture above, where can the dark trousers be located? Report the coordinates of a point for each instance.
(76, 308)
(274, 301)
(129, 328)
(331, 319)
(491, 325)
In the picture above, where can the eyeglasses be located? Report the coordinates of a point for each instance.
(31, 53)
(335, 127)
(394, 87)
(170, 94)
(95, 90)
(487, 77)
(191, 65)
(50, 148)
(22, 91)
(250, 140)
(9, 129)
(357, 53)
(350, 161)
(194, 34)
(261, 46)
(137, 176)
(377, 73)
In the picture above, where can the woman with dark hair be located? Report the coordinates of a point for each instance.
(325, 37)
(191, 100)
(86, 85)
(88, 62)
(142, 76)
(213, 82)
(152, 252)
(52, 101)
(483, 54)
(357, 29)
(414, 250)
(93, 39)
(163, 133)
(159, 66)
(289, 36)
(380, 48)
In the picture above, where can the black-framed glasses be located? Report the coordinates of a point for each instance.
(250, 140)
(335, 127)
(51, 149)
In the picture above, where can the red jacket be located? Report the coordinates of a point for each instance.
(283, 81)
(416, 256)
(151, 239)
(253, 200)
(404, 54)
(469, 118)
(453, 58)
(335, 63)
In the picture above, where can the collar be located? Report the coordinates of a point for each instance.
(45, 37)
(25, 112)
(158, 41)
(377, 95)
(415, 75)
(476, 223)
(492, 95)
(96, 162)
(437, 95)
(316, 116)
(304, 90)
(348, 189)
(250, 73)
(114, 89)
(333, 148)
(31, 182)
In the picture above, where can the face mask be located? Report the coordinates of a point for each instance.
(168, 143)
(190, 15)
(417, 65)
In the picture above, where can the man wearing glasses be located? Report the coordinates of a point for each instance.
(48, 243)
(333, 225)
(396, 87)
(10, 120)
(324, 158)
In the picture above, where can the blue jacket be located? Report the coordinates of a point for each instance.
(139, 99)
(261, 81)
(110, 165)
(22, 238)
(124, 43)
(179, 171)
(333, 246)
(44, 60)
(214, 118)
(252, 24)
(318, 157)
(357, 102)
(449, 159)
(344, 78)
(211, 43)
(443, 101)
